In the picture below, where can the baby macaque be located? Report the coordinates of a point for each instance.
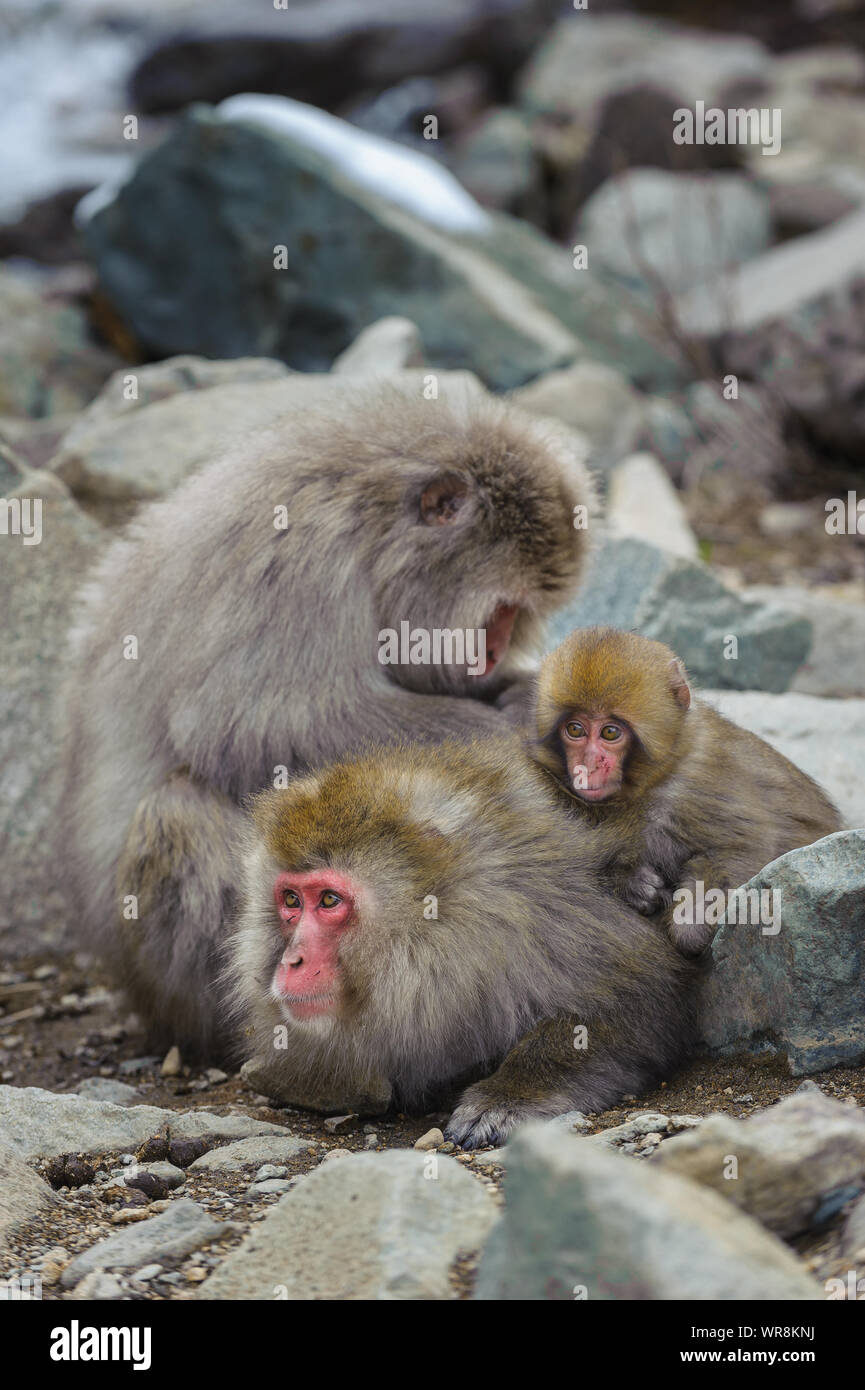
(689, 797)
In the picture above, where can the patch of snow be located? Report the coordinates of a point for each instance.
(403, 176)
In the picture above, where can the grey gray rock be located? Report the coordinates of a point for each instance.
(23, 1194)
(498, 163)
(135, 455)
(386, 346)
(137, 386)
(369, 1226)
(271, 1170)
(635, 585)
(642, 503)
(853, 1233)
(572, 1122)
(595, 401)
(106, 1088)
(49, 363)
(98, 1287)
(662, 232)
(270, 1148)
(268, 1186)
(166, 1172)
(176, 1232)
(589, 56)
(788, 282)
(582, 1222)
(796, 1163)
(37, 599)
(796, 725)
(647, 1122)
(795, 988)
(259, 183)
(835, 665)
(36, 1123)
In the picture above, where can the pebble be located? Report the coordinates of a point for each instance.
(431, 1140)
(165, 1172)
(270, 1170)
(172, 1063)
(336, 1153)
(333, 1122)
(98, 1286)
(269, 1185)
(146, 1273)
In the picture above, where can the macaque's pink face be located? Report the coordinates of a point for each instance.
(595, 751)
(315, 910)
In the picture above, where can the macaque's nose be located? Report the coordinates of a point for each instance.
(295, 960)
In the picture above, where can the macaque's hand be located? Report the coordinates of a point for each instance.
(646, 891)
(481, 1119)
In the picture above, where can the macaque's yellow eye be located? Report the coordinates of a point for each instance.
(290, 898)
(574, 730)
(329, 899)
(611, 732)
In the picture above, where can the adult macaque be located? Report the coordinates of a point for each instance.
(240, 631)
(428, 917)
(688, 796)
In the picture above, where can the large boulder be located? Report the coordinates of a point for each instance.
(368, 1226)
(188, 252)
(797, 726)
(789, 980)
(582, 1222)
(636, 585)
(790, 1166)
(38, 579)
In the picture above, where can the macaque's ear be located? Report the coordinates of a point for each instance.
(443, 499)
(679, 684)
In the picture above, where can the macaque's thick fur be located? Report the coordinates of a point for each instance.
(257, 649)
(524, 947)
(701, 800)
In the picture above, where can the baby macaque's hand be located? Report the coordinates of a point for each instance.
(646, 891)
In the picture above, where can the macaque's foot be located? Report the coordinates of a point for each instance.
(480, 1119)
(692, 939)
(646, 891)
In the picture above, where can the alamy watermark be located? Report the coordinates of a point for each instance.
(21, 516)
(438, 646)
(736, 126)
(755, 907)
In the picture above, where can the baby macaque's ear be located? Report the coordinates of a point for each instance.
(679, 684)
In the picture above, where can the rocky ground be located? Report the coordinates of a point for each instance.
(65, 1031)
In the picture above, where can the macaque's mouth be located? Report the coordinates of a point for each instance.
(499, 628)
(595, 793)
(303, 1006)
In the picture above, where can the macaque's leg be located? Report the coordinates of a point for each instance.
(547, 1074)
(176, 891)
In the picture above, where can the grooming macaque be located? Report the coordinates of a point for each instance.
(689, 797)
(427, 916)
(236, 630)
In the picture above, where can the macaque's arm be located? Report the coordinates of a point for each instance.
(548, 1073)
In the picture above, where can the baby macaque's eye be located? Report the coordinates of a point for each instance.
(611, 732)
(290, 898)
(575, 730)
(329, 899)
